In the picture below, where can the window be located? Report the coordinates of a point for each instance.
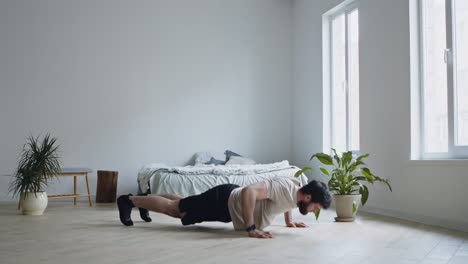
(443, 78)
(341, 78)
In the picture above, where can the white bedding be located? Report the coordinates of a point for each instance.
(190, 180)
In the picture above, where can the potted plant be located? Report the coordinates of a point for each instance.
(38, 163)
(347, 178)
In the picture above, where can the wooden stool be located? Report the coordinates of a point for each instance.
(75, 172)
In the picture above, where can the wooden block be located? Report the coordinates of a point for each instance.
(106, 186)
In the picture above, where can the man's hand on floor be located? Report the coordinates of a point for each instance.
(260, 234)
(296, 224)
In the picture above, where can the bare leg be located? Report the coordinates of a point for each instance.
(144, 214)
(157, 203)
(168, 196)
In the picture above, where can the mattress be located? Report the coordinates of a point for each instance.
(166, 182)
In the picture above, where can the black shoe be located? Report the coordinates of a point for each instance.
(144, 214)
(125, 209)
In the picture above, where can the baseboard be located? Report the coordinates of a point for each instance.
(429, 220)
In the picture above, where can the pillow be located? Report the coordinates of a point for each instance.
(204, 157)
(230, 154)
(215, 162)
(237, 160)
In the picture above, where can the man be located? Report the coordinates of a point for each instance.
(251, 208)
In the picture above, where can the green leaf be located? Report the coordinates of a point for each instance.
(362, 157)
(377, 178)
(317, 214)
(323, 158)
(389, 186)
(355, 165)
(354, 207)
(360, 178)
(347, 156)
(324, 171)
(333, 185)
(359, 162)
(301, 171)
(366, 172)
(364, 194)
(337, 158)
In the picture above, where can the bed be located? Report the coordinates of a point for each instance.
(190, 180)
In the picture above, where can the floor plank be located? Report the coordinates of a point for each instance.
(68, 234)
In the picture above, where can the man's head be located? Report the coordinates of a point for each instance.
(313, 196)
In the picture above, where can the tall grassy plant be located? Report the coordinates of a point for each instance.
(347, 175)
(39, 162)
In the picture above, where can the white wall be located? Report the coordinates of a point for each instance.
(434, 194)
(125, 83)
(307, 77)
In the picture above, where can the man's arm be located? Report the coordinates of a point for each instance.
(288, 220)
(249, 196)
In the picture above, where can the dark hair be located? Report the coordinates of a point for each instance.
(319, 192)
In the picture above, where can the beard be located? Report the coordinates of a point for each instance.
(303, 207)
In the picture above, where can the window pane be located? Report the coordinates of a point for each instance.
(435, 116)
(461, 71)
(338, 95)
(353, 78)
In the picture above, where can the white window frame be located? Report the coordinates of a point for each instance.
(418, 148)
(345, 8)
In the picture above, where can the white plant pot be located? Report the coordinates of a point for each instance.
(344, 207)
(34, 203)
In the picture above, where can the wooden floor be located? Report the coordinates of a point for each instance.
(68, 234)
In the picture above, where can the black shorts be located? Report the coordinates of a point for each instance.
(211, 205)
